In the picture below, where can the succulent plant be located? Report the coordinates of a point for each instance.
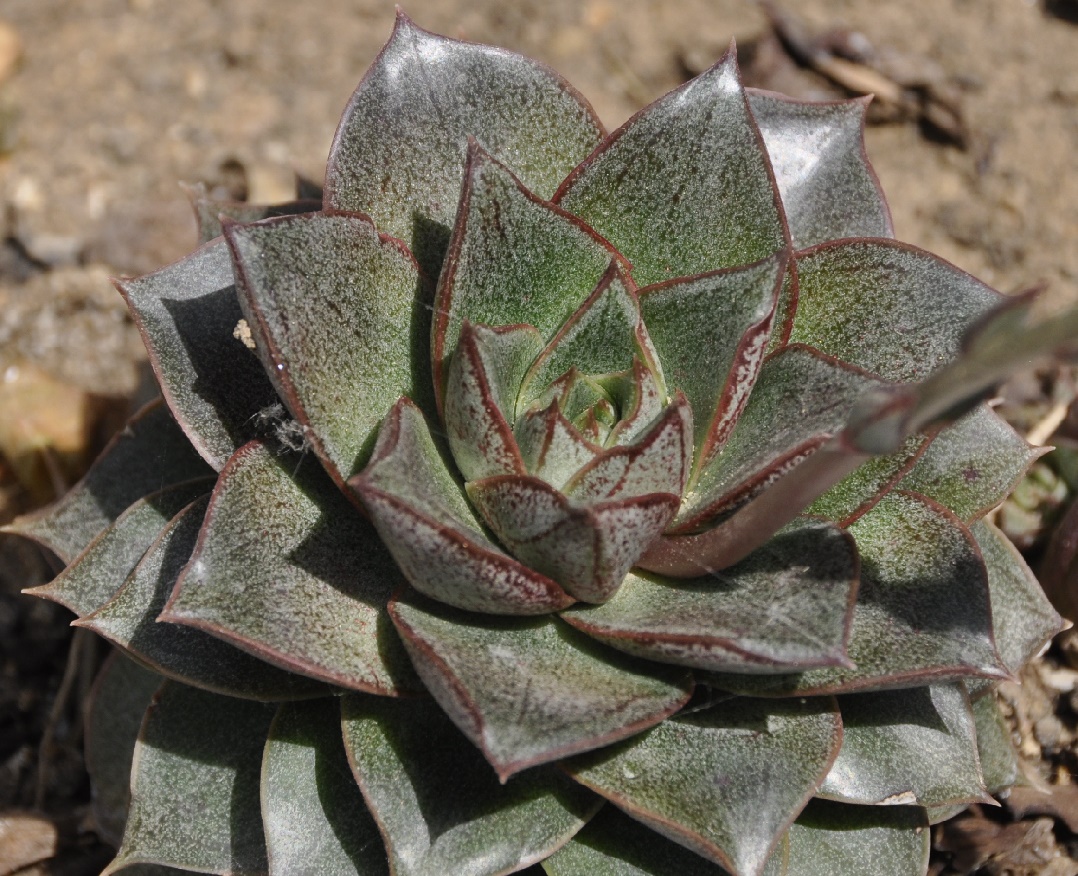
(610, 502)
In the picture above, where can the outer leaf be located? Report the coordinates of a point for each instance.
(187, 313)
(788, 605)
(286, 569)
(399, 152)
(725, 782)
(149, 454)
(999, 760)
(532, 691)
(194, 785)
(315, 819)
(916, 746)
(425, 522)
(439, 807)
(128, 620)
(340, 316)
(817, 150)
(684, 187)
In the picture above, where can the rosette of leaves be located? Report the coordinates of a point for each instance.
(608, 502)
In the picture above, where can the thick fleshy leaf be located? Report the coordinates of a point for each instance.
(187, 313)
(830, 838)
(726, 782)
(341, 318)
(828, 188)
(315, 819)
(922, 609)
(532, 691)
(894, 310)
(195, 785)
(149, 454)
(640, 399)
(514, 259)
(710, 333)
(130, 620)
(685, 186)
(118, 702)
(788, 605)
(287, 569)
(401, 159)
(100, 570)
(916, 746)
(424, 520)
(208, 211)
(439, 807)
(999, 760)
(551, 447)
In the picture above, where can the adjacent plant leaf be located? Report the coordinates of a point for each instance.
(916, 746)
(438, 805)
(187, 314)
(149, 454)
(208, 211)
(340, 317)
(195, 784)
(817, 150)
(315, 819)
(129, 620)
(401, 160)
(727, 781)
(281, 543)
(684, 187)
(532, 691)
(999, 760)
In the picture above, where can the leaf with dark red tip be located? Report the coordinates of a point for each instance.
(551, 447)
(288, 570)
(532, 691)
(440, 808)
(429, 528)
(685, 186)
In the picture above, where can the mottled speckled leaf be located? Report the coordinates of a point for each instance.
(315, 819)
(922, 609)
(117, 704)
(828, 188)
(514, 259)
(684, 187)
(916, 746)
(341, 319)
(100, 570)
(425, 521)
(551, 447)
(187, 313)
(438, 805)
(894, 310)
(288, 570)
(129, 620)
(995, 750)
(401, 160)
(532, 691)
(786, 605)
(710, 333)
(149, 454)
(195, 785)
(831, 838)
(726, 782)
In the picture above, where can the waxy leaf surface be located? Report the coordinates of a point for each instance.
(209, 211)
(995, 750)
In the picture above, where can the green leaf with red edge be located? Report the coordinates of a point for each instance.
(685, 186)
(922, 614)
(439, 806)
(149, 454)
(787, 605)
(129, 620)
(916, 746)
(187, 313)
(817, 150)
(710, 333)
(726, 781)
(195, 785)
(531, 691)
(401, 160)
(340, 316)
(315, 819)
(208, 211)
(287, 569)
(551, 447)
